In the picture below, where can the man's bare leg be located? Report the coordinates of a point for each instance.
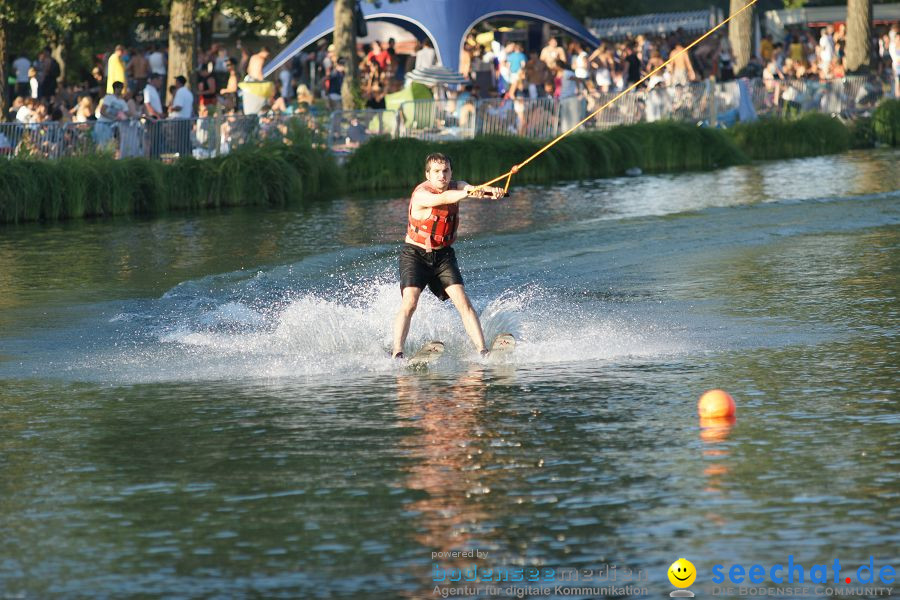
(469, 317)
(404, 316)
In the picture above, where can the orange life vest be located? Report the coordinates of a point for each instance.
(437, 230)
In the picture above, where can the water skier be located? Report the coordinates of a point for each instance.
(427, 257)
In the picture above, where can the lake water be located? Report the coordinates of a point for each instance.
(202, 405)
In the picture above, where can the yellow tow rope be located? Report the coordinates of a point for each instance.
(515, 169)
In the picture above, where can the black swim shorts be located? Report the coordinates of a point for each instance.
(437, 269)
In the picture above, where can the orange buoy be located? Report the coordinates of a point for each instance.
(716, 404)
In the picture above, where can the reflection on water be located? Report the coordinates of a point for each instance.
(714, 431)
(446, 465)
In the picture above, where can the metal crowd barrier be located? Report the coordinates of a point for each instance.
(844, 97)
(438, 119)
(348, 129)
(442, 119)
(48, 140)
(166, 139)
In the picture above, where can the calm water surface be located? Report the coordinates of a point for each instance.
(202, 405)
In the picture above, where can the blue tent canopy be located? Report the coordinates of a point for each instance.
(444, 22)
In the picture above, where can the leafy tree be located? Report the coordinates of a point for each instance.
(250, 16)
(12, 12)
(254, 15)
(57, 19)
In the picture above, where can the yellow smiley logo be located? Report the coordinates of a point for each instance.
(682, 573)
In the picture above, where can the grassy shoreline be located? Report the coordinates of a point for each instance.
(271, 174)
(277, 174)
(653, 147)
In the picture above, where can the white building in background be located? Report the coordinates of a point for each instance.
(777, 21)
(693, 21)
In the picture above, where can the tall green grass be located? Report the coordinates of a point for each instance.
(280, 174)
(813, 134)
(270, 174)
(384, 163)
(886, 122)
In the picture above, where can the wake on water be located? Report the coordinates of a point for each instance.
(209, 330)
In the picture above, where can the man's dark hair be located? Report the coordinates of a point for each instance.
(117, 85)
(180, 79)
(437, 157)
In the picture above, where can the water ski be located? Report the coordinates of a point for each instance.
(502, 344)
(428, 353)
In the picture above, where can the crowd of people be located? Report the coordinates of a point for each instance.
(129, 83)
(564, 70)
(127, 87)
(142, 74)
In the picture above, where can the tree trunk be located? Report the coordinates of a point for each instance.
(4, 92)
(740, 34)
(181, 42)
(859, 35)
(345, 48)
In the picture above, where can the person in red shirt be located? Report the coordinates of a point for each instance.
(206, 87)
(427, 257)
(379, 58)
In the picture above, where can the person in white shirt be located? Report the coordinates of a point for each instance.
(21, 66)
(826, 50)
(183, 103)
(894, 51)
(426, 57)
(34, 85)
(154, 109)
(25, 114)
(111, 110)
(113, 107)
(180, 112)
(157, 61)
(152, 101)
(580, 63)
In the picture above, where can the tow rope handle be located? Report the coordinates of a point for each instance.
(508, 176)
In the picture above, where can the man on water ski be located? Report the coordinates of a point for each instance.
(427, 258)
